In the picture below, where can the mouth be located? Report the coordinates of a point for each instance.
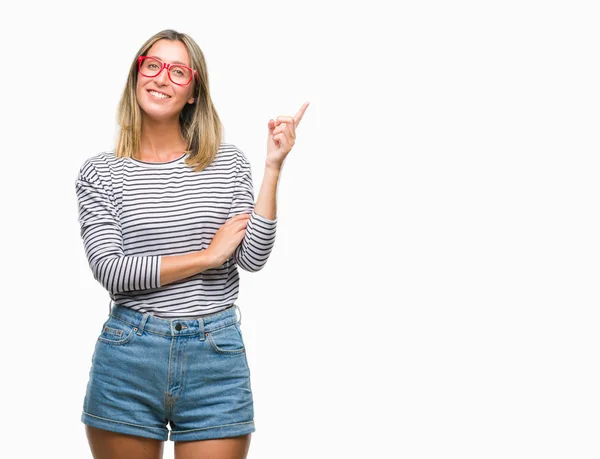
(158, 95)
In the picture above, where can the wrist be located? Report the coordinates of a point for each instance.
(206, 260)
(273, 170)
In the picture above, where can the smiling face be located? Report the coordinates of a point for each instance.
(159, 107)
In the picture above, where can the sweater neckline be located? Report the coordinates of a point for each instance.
(158, 165)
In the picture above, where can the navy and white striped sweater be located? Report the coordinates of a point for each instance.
(132, 213)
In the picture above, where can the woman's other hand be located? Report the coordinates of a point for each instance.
(227, 238)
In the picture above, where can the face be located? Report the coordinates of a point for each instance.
(168, 108)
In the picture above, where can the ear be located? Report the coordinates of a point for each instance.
(191, 101)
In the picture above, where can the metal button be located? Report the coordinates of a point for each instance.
(178, 327)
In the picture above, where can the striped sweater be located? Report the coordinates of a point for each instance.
(132, 213)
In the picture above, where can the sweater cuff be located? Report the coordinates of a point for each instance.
(266, 221)
(158, 265)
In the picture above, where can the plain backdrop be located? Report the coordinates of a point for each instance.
(433, 288)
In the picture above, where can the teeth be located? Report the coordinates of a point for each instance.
(158, 94)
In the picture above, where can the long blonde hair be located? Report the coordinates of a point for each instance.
(199, 122)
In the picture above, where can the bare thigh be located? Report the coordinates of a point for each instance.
(113, 445)
(218, 448)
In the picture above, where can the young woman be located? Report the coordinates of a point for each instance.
(166, 218)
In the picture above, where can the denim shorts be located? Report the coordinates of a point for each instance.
(151, 376)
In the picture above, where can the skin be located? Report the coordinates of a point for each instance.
(161, 142)
(161, 137)
(112, 445)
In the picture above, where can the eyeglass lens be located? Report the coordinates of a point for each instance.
(151, 67)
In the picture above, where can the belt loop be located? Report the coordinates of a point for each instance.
(240, 311)
(201, 328)
(143, 323)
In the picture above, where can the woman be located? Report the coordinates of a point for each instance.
(165, 219)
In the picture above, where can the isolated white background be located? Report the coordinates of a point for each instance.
(433, 289)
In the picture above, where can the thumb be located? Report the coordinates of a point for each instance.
(271, 126)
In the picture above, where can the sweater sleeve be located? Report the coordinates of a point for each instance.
(103, 241)
(254, 250)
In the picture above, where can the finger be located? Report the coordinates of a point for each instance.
(239, 217)
(285, 129)
(288, 134)
(284, 123)
(284, 119)
(282, 139)
(241, 227)
(300, 113)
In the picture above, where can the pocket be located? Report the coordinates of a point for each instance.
(226, 340)
(116, 332)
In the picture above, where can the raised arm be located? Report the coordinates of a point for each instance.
(254, 250)
(103, 243)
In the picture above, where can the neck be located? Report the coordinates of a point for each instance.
(161, 141)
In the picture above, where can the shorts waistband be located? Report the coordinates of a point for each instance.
(176, 327)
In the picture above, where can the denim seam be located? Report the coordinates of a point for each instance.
(123, 321)
(112, 331)
(128, 423)
(117, 342)
(168, 399)
(214, 427)
(179, 334)
(224, 351)
(219, 328)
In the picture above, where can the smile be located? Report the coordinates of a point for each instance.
(158, 95)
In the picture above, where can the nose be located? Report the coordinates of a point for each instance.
(163, 76)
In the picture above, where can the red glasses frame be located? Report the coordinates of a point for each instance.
(167, 66)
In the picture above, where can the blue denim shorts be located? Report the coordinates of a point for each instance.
(151, 376)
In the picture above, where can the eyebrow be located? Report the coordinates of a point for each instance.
(174, 62)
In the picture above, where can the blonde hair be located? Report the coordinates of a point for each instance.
(199, 122)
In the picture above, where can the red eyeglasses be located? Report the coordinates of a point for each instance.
(178, 73)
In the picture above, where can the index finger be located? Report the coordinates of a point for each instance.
(300, 113)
